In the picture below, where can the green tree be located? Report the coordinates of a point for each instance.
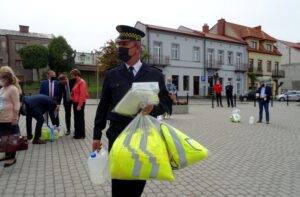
(61, 55)
(34, 57)
(252, 76)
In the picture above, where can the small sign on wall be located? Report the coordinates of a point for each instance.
(202, 78)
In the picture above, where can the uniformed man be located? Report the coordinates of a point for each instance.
(117, 82)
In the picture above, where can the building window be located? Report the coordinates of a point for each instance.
(276, 66)
(157, 52)
(250, 65)
(230, 57)
(220, 57)
(19, 46)
(210, 57)
(196, 54)
(1, 62)
(253, 45)
(269, 66)
(259, 65)
(175, 51)
(186, 82)
(18, 64)
(2, 44)
(269, 47)
(238, 59)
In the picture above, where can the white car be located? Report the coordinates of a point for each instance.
(293, 95)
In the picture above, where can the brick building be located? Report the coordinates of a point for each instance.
(11, 41)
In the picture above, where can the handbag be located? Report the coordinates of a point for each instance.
(13, 143)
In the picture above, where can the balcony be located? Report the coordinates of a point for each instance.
(242, 67)
(213, 65)
(159, 60)
(258, 72)
(278, 73)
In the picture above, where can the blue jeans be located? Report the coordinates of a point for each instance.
(263, 104)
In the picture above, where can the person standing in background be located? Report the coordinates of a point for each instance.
(64, 92)
(229, 90)
(218, 92)
(9, 109)
(79, 96)
(263, 94)
(49, 87)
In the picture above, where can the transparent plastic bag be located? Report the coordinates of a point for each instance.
(140, 95)
(235, 116)
(142, 151)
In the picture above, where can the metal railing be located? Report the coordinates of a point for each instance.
(241, 67)
(159, 60)
(278, 73)
(255, 70)
(212, 64)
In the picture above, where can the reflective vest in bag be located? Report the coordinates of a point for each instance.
(140, 154)
(183, 150)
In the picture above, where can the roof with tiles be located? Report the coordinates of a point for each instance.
(255, 32)
(196, 33)
(18, 33)
(291, 44)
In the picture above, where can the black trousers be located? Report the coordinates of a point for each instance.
(68, 108)
(7, 129)
(79, 122)
(123, 188)
(38, 116)
(219, 99)
(229, 100)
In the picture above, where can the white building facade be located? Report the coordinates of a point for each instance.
(193, 59)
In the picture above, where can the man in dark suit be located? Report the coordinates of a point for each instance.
(49, 87)
(64, 92)
(263, 94)
(229, 89)
(117, 82)
(36, 106)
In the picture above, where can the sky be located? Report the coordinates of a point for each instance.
(88, 24)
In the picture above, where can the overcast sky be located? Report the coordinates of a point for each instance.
(89, 24)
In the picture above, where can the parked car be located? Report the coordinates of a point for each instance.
(293, 95)
(248, 96)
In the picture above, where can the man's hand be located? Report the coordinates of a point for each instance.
(96, 145)
(14, 122)
(57, 108)
(78, 108)
(147, 110)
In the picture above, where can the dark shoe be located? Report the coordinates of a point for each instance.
(6, 158)
(268, 122)
(68, 133)
(76, 137)
(39, 141)
(10, 163)
(258, 121)
(29, 137)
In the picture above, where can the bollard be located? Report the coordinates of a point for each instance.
(254, 102)
(287, 100)
(271, 101)
(212, 100)
(234, 97)
(187, 98)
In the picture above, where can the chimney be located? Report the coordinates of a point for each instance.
(221, 26)
(205, 28)
(258, 28)
(24, 29)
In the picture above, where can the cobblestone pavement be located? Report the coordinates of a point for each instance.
(244, 160)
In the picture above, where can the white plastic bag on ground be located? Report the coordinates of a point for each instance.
(235, 116)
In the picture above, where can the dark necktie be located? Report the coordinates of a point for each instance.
(131, 71)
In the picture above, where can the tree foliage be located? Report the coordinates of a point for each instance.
(34, 57)
(57, 48)
(252, 76)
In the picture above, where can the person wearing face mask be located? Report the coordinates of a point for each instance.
(79, 96)
(117, 82)
(49, 87)
(263, 94)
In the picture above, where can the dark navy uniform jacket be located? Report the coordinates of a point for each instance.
(37, 105)
(116, 84)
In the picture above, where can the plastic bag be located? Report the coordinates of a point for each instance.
(142, 152)
(183, 150)
(235, 116)
(138, 97)
(98, 165)
(49, 133)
